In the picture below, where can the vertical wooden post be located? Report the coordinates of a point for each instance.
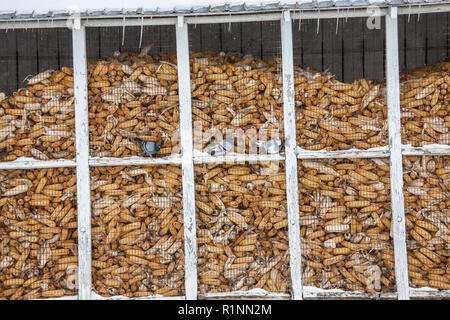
(291, 158)
(395, 144)
(184, 92)
(82, 149)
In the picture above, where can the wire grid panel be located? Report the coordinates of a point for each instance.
(133, 92)
(423, 52)
(345, 219)
(137, 231)
(423, 39)
(237, 101)
(242, 227)
(36, 95)
(38, 234)
(427, 212)
(339, 87)
(425, 105)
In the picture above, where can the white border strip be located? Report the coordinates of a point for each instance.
(310, 292)
(437, 150)
(82, 148)
(59, 298)
(295, 259)
(37, 164)
(133, 161)
(96, 296)
(238, 158)
(428, 293)
(135, 21)
(379, 153)
(250, 294)
(396, 168)
(184, 92)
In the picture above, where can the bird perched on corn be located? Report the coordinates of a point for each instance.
(149, 147)
(222, 147)
(270, 146)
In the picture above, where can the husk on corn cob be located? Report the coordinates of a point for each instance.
(345, 219)
(137, 231)
(425, 105)
(38, 121)
(242, 227)
(38, 233)
(427, 212)
(136, 96)
(237, 94)
(331, 115)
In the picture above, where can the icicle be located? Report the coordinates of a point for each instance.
(142, 29)
(300, 20)
(337, 21)
(318, 21)
(409, 12)
(123, 31)
(195, 22)
(418, 14)
(346, 16)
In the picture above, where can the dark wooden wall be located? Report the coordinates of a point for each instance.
(346, 48)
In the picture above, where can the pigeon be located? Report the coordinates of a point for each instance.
(222, 147)
(270, 146)
(149, 147)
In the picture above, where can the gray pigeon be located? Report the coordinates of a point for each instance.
(149, 147)
(222, 147)
(270, 146)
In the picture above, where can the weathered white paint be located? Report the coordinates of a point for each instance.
(431, 149)
(184, 93)
(14, 24)
(133, 161)
(258, 294)
(82, 149)
(428, 293)
(37, 164)
(130, 21)
(370, 153)
(291, 159)
(310, 292)
(238, 158)
(96, 296)
(396, 169)
(421, 9)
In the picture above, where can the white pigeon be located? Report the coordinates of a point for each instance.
(222, 147)
(270, 146)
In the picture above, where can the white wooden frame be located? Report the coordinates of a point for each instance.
(83, 162)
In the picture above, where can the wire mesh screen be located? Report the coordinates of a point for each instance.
(339, 87)
(36, 95)
(236, 88)
(424, 99)
(38, 234)
(345, 219)
(133, 92)
(423, 39)
(137, 231)
(242, 227)
(427, 212)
